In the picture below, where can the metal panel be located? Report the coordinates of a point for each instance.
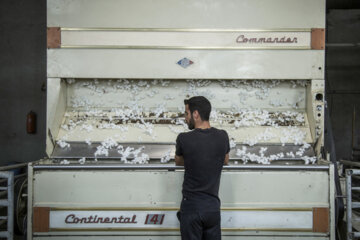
(246, 189)
(55, 109)
(187, 14)
(173, 237)
(105, 38)
(208, 64)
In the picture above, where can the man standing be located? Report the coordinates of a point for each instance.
(203, 152)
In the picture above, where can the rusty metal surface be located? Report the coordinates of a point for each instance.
(53, 37)
(318, 38)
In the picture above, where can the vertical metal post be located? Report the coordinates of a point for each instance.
(10, 223)
(353, 129)
(348, 204)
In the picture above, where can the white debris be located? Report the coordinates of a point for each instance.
(82, 160)
(262, 159)
(161, 108)
(81, 102)
(87, 127)
(293, 135)
(63, 144)
(262, 150)
(277, 102)
(92, 113)
(264, 136)
(166, 158)
(232, 143)
(241, 152)
(168, 97)
(152, 93)
(113, 126)
(252, 157)
(194, 86)
(308, 160)
(65, 162)
(142, 159)
(129, 153)
(147, 127)
(88, 141)
(70, 125)
(103, 149)
(290, 154)
(164, 83)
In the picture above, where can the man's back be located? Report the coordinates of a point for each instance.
(203, 151)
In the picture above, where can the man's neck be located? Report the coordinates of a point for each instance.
(203, 125)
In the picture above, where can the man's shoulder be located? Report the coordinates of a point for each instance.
(183, 135)
(221, 131)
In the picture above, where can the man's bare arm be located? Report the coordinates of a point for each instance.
(179, 160)
(226, 161)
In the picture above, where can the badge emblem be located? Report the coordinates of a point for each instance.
(185, 62)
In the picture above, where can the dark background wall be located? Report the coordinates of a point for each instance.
(343, 77)
(23, 73)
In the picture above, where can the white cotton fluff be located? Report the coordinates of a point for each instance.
(129, 152)
(88, 141)
(262, 159)
(232, 143)
(290, 154)
(147, 127)
(292, 135)
(142, 159)
(252, 157)
(82, 160)
(113, 126)
(65, 162)
(264, 136)
(103, 149)
(87, 127)
(63, 144)
(168, 97)
(277, 102)
(166, 158)
(308, 160)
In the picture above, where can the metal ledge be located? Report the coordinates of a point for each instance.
(171, 167)
(156, 151)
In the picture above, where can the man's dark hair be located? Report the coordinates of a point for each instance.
(201, 104)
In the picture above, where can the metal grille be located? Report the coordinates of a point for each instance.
(8, 203)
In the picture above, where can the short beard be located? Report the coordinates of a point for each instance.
(191, 124)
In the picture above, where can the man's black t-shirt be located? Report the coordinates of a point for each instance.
(204, 153)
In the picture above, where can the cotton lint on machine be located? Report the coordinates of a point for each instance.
(117, 75)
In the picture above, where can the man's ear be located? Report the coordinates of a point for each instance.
(196, 114)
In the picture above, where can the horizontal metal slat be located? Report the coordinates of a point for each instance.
(356, 234)
(4, 202)
(355, 205)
